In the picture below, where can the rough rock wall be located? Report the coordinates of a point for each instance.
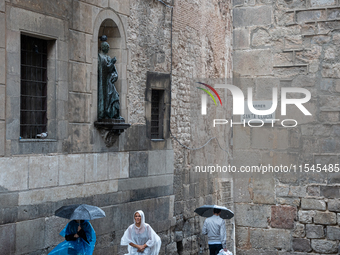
(75, 166)
(288, 44)
(201, 49)
(149, 35)
(2, 81)
(201, 52)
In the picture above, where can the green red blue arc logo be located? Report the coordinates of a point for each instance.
(209, 93)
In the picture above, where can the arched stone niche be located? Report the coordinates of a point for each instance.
(110, 24)
(113, 26)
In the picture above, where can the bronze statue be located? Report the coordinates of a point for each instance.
(108, 97)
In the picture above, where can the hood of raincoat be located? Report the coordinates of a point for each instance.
(79, 246)
(141, 213)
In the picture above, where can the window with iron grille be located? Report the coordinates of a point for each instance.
(157, 114)
(157, 108)
(33, 95)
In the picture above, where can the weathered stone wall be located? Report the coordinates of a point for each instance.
(73, 165)
(288, 44)
(201, 52)
(2, 79)
(201, 49)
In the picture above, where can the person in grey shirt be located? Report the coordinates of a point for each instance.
(214, 227)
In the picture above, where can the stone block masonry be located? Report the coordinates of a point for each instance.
(313, 222)
(102, 179)
(283, 216)
(74, 165)
(316, 223)
(295, 42)
(203, 51)
(2, 80)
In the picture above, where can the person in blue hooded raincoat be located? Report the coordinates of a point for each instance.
(80, 239)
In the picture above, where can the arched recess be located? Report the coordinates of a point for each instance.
(109, 23)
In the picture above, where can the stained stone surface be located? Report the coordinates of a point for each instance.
(73, 165)
(283, 216)
(292, 42)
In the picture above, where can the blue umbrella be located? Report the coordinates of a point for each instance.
(208, 210)
(80, 212)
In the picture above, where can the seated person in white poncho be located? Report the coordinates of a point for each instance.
(140, 237)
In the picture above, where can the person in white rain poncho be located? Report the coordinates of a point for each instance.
(140, 237)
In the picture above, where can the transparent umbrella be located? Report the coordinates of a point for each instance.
(80, 212)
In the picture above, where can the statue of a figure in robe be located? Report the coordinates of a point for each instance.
(108, 97)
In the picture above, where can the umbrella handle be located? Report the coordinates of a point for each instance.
(78, 226)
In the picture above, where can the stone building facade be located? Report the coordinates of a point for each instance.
(155, 48)
(288, 44)
(169, 46)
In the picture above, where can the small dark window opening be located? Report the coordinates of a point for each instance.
(157, 114)
(179, 246)
(33, 95)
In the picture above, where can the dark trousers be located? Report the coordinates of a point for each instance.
(215, 248)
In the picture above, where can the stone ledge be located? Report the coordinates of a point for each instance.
(311, 35)
(289, 66)
(147, 193)
(322, 109)
(291, 24)
(145, 182)
(293, 50)
(66, 192)
(37, 140)
(318, 21)
(29, 212)
(313, 9)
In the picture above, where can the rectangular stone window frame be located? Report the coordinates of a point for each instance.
(51, 90)
(52, 30)
(33, 93)
(161, 82)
